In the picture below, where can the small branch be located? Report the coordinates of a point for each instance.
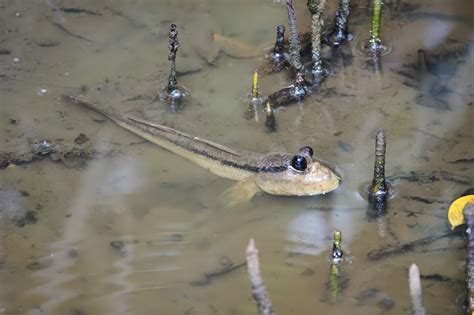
(259, 291)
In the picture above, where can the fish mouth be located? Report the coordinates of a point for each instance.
(329, 185)
(334, 183)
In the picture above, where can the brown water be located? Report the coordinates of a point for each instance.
(158, 209)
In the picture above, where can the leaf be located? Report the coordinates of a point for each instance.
(455, 212)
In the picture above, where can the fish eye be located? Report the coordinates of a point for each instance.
(307, 150)
(299, 163)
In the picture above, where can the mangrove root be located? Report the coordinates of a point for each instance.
(259, 292)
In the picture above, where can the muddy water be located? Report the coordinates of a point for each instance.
(138, 231)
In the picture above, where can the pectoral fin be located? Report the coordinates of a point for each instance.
(239, 193)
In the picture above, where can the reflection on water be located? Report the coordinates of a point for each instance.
(134, 232)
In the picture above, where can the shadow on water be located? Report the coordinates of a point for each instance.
(137, 230)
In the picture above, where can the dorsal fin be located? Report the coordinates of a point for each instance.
(186, 135)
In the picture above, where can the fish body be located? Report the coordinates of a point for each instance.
(276, 173)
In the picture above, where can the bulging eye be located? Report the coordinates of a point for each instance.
(299, 163)
(307, 150)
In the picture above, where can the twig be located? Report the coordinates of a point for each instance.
(259, 292)
(391, 250)
(65, 30)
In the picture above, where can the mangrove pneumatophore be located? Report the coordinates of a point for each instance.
(373, 46)
(469, 218)
(375, 43)
(378, 192)
(414, 284)
(173, 93)
(337, 253)
(339, 33)
(334, 282)
(252, 109)
(259, 291)
(270, 122)
(318, 71)
(293, 93)
(278, 53)
(294, 57)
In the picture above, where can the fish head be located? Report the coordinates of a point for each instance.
(302, 176)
